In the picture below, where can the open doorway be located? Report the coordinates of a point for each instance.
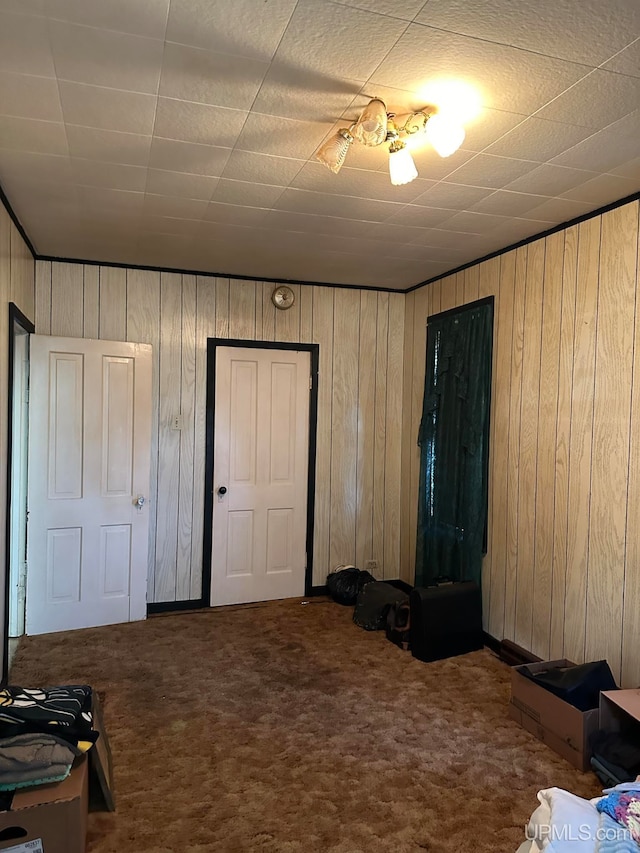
(20, 327)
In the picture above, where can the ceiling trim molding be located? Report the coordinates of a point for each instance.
(539, 236)
(7, 206)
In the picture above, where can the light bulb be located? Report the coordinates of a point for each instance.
(402, 169)
(334, 151)
(444, 134)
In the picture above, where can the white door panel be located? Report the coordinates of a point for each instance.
(261, 458)
(89, 459)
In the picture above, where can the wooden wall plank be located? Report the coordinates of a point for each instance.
(546, 461)
(113, 303)
(242, 310)
(268, 313)
(168, 437)
(67, 310)
(222, 308)
(205, 317)
(579, 498)
(368, 323)
(499, 448)
(563, 439)
(631, 613)
(344, 426)
(393, 483)
(513, 461)
(407, 568)
(611, 422)
(306, 315)
(184, 569)
(91, 308)
(459, 277)
(422, 310)
(448, 293)
(471, 283)
(529, 442)
(380, 431)
(43, 297)
(323, 316)
(143, 326)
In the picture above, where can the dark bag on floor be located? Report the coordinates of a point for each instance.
(399, 624)
(373, 604)
(579, 685)
(346, 582)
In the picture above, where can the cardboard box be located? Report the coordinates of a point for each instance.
(49, 818)
(620, 711)
(565, 729)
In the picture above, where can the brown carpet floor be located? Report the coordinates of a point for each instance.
(284, 728)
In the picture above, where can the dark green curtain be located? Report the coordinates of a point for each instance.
(454, 445)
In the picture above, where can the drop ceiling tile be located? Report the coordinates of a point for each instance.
(603, 190)
(24, 45)
(171, 206)
(38, 167)
(280, 136)
(505, 78)
(163, 182)
(35, 191)
(193, 74)
(442, 239)
(261, 168)
(333, 205)
(452, 196)
(487, 170)
(404, 9)
(188, 157)
(471, 222)
(293, 92)
(627, 61)
(320, 37)
(112, 175)
(629, 169)
(246, 192)
(489, 126)
(109, 109)
(106, 58)
(606, 149)
(142, 18)
(169, 225)
(419, 252)
(358, 183)
(26, 134)
(234, 214)
(90, 143)
(550, 180)
(536, 139)
(29, 97)
(190, 122)
(282, 220)
(513, 232)
(421, 216)
(393, 234)
(596, 101)
(507, 203)
(248, 29)
(24, 7)
(559, 210)
(103, 198)
(545, 27)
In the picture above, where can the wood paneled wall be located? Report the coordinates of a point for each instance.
(360, 333)
(562, 573)
(16, 285)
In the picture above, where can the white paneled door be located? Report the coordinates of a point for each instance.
(260, 474)
(89, 459)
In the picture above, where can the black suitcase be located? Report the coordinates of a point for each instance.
(446, 620)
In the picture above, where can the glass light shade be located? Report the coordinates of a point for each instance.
(371, 127)
(445, 135)
(402, 169)
(334, 151)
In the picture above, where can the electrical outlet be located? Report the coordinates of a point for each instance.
(371, 566)
(176, 422)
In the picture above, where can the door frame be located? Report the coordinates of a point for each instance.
(212, 345)
(16, 319)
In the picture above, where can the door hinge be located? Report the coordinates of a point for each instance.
(310, 383)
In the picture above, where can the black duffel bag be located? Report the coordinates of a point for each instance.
(373, 605)
(345, 583)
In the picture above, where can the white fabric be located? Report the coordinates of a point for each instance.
(562, 823)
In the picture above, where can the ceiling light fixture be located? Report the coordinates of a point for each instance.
(375, 126)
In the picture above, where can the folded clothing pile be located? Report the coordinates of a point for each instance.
(41, 732)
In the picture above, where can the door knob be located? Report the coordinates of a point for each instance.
(222, 490)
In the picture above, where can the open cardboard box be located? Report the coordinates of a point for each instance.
(565, 729)
(49, 818)
(620, 711)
